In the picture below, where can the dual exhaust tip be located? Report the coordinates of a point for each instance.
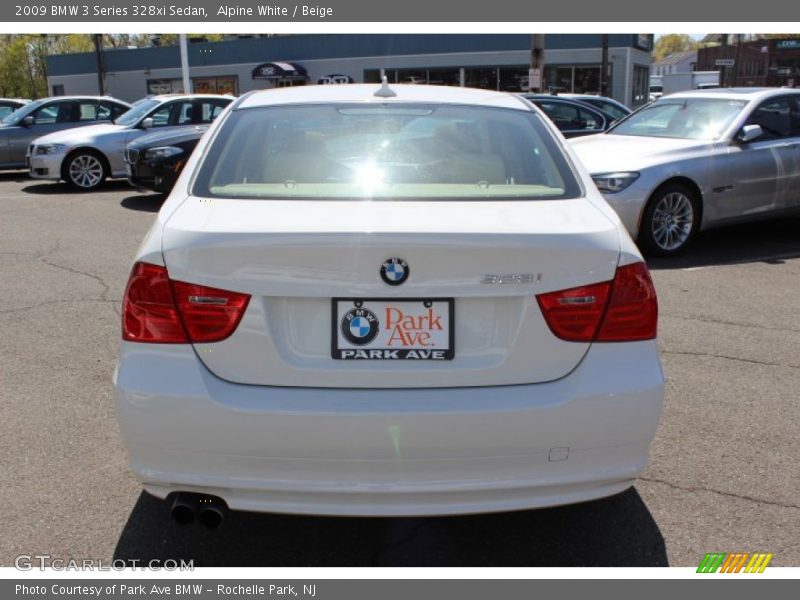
(210, 511)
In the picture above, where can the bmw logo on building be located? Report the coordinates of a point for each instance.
(360, 326)
(395, 271)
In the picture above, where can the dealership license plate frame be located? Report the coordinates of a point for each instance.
(449, 353)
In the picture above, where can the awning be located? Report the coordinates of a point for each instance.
(334, 78)
(279, 70)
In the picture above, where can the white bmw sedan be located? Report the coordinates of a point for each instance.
(374, 300)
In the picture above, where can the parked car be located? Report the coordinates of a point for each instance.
(9, 105)
(156, 160)
(572, 117)
(695, 160)
(85, 158)
(610, 107)
(386, 300)
(47, 115)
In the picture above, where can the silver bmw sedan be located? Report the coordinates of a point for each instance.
(696, 160)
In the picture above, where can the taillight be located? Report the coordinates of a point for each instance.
(157, 310)
(575, 314)
(632, 309)
(622, 310)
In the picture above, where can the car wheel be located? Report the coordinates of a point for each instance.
(85, 170)
(670, 220)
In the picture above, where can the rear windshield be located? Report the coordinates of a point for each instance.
(384, 152)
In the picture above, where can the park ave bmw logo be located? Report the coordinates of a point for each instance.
(359, 326)
(395, 271)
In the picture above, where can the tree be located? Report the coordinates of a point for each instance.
(23, 66)
(671, 43)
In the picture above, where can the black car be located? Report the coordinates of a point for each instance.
(156, 160)
(573, 117)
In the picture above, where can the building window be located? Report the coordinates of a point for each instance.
(58, 89)
(641, 85)
(215, 85)
(156, 87)
(575, 79)
(510, 79)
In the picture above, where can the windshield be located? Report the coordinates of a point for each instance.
(385, 151)
(688, 118)
(19, 114)
(139, 109)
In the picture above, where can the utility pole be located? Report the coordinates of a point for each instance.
(187, 84)
(536, 70)
(98, 55)
(604, 64)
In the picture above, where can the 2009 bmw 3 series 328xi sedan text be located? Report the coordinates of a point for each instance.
(374, 300)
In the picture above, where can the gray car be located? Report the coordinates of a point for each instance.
(85, 157)
(48, 115)
(696, 160)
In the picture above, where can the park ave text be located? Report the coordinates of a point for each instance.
(177, 589)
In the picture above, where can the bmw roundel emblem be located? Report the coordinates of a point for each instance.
(395, 271)
(360, 326)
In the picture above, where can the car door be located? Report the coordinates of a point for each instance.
(49, 118)
(207, 109)
(762, 174)
(571, 119)
(168, 115)
(793, 148)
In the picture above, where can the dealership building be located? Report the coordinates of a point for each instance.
(489, 61)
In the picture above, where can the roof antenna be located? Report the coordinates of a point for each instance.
(385, 91)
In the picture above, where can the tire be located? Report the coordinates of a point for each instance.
(670, 220)
(85, 170)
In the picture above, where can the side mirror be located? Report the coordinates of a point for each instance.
(748, 133)
(147, 123)
(28, 121)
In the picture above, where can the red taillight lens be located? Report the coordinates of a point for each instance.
(575, 314)
(161, 311)
(209, 314)
(632, 309)
(623, 310)
(149, 312)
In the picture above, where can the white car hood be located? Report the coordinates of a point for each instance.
(606, 153)
(87, 133)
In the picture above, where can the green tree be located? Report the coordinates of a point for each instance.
(23, 66)
(671, 43)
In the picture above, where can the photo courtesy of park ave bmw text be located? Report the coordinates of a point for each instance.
(374, 285)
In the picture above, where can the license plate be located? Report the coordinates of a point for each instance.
(384, 329)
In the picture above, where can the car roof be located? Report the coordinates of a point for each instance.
(572, 101)
(433, 94)
(186, 96)
(87, 97)
(754, 93)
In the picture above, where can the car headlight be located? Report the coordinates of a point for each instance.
(50, 148)
(162, 152)
(611, 183)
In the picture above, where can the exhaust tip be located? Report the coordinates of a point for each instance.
(208, 510)
(183, 509)
(211, 517)
(211, 512)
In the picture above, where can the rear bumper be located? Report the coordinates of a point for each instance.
(389, 451)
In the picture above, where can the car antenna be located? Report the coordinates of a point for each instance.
(385, 91)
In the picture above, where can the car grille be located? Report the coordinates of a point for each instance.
(131, 155)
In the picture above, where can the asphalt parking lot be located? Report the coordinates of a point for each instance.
(724, 469)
